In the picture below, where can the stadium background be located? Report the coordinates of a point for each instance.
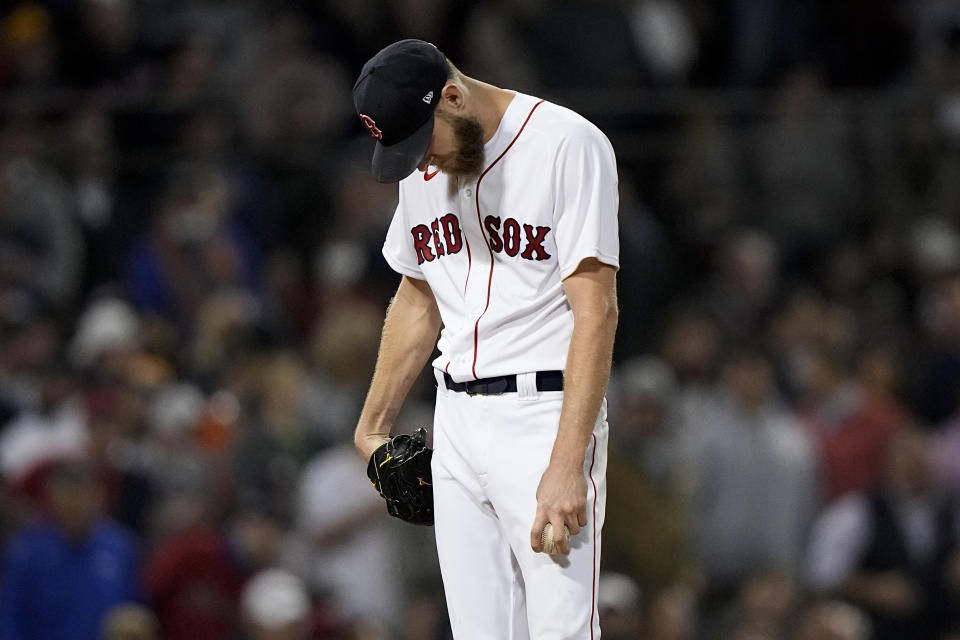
(191, 293)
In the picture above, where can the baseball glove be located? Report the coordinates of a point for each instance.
(400, 472)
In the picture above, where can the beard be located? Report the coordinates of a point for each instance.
(468, 161)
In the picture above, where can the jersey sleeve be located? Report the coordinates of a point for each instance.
(398, 248)
(585, 210)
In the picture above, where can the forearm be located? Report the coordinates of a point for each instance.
(585, 380)
(562, 493)
(409, 334)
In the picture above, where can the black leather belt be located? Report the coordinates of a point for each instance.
(546, 381)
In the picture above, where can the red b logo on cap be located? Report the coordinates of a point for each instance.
(371, 126)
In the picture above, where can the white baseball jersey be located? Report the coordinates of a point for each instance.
(495, 251)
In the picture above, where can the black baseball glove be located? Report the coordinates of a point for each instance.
(400, 471)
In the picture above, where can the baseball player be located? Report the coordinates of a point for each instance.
(506, 240)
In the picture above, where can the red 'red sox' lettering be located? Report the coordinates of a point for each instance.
(443, 236)
(451, 232)
(421, 243)
(509, 242)
(511, 237)
(426, 239)
(492, 225)
(535, 243)
(435, 230)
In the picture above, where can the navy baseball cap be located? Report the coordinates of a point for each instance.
(395, 97)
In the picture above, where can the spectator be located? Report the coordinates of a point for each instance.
(166, 455)
(276, 606)
(193, 249)
(195, 579)
(850, 426)
(62, 576)
(41, 249)
(804, 171)
(272, 450)
(619, 604)
(893, 550)
(745, 284)
(342, 355)
(757, 478)
(691, 346)
(209, 135)
(56, 427)
(650, 477)
(350, 541)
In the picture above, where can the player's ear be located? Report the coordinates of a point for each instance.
(452, 96)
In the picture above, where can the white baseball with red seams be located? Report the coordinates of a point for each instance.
(494, 252)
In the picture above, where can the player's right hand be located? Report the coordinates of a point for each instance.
(561, 501)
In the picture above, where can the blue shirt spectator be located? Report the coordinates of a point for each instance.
(63, 575)
(54, 588)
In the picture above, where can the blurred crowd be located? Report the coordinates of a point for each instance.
(191, 294)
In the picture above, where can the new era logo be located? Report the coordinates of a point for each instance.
(429, 97)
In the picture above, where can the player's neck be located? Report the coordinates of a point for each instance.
(491, 103)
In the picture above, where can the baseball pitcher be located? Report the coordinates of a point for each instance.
(506, 240)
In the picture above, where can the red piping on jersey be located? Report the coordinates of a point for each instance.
(466, 241)
(593, 521)
(476, 195)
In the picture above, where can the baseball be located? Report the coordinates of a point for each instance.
(546, 538)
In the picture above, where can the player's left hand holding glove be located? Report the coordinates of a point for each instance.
(400, 471)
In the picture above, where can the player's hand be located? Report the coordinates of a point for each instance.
(561, 500)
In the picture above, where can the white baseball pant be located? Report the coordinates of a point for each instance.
(489, 454)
